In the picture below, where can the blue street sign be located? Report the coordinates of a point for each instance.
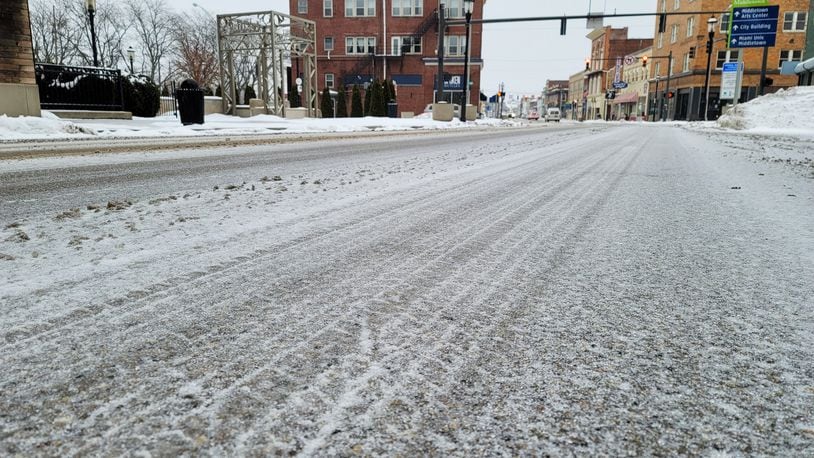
(754, 27)
(620, 85)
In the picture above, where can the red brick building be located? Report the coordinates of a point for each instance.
(358, 40)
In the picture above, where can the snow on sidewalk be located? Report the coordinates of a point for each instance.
(49, 127)
(788, 112)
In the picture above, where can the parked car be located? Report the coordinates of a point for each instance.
(533, 116)
(552, 114)
(455, 108)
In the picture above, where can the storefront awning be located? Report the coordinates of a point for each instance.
(630, 97)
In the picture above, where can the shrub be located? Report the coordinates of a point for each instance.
(341, 103)
(356, 110)
(327, 104)
(141, 96)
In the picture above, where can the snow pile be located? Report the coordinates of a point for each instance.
(786, 112)
(49, 126)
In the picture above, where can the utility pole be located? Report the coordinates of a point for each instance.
(711, 22)
(762, 86)
(666, 114)
(439, 80)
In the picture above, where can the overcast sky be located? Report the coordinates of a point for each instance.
(522, 55)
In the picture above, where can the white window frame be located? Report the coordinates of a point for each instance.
(330, 80)
(328, 8)
(661, 40)
(730, 55)
(352, 8)
(690, 26)
(455, 8)
(791, 55)
(325, 43)
(408, 8)
(725, 22)
(686, 67)
(795, 21)
(677, 5)
(398, 41)
(454, 45)
(353, 44)
(657, 69)
(302, 6)
(674, 33)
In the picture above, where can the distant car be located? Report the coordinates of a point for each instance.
(552, 114)
(533, 116)
(455, 108)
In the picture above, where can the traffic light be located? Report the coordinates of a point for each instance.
(563, 26)
(671, 94)
(644, 61)
(587, 64)
(692, 52)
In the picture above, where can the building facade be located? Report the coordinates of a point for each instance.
(577, 94)
(608, 45)
(359, 40)
(556, 94)
(686, 37)
(18, 89)
(631, 102)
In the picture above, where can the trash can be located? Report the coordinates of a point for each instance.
(190, 102)
(392, 109)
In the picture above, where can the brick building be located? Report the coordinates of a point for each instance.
(577, 94)
(607, 45)
(18, 88)
(687, 36)
(359, 40)
(556, 94)
(631, 102)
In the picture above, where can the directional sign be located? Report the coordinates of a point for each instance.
(620, 85)
(754, 27)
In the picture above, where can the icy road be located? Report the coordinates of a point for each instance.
(577, 290)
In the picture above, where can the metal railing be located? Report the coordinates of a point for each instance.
(64, 87)
(169, 104)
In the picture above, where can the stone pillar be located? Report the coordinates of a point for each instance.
(18, 87)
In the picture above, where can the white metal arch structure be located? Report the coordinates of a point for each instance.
(269, 40)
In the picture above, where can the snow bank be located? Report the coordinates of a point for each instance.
(49, 126)
(786, 112)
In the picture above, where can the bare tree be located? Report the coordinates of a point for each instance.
(112, 26)
(154, 24)
(55, 32)
(196, 48)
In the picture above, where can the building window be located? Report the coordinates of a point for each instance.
(663, 6)
(302, 6)
(360, 45)
(674, 33)
(329, 43)
(730, 55)
(454, 45)
(690, 26)
(725, 23)
(329, 80)
(661, 40)
(406, 45)
(790, 56)
(328, 8)
(360, 8)
(658, 69)
(677, 4)
(795, 21)
(408, 8)
(686, 66)
(455, 8)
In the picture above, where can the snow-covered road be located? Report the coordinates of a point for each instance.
(604, 289)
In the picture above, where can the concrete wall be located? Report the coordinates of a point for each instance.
(18, 89)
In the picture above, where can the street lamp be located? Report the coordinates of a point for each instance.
(131, 53)
(90, 6)
(468, 6)
(711, 22)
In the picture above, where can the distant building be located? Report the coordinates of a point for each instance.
(556, 94)
(577, 96)
(686, 37)
(631, 102)
(608, 46)
(358, 41)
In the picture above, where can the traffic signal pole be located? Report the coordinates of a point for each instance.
(665, 115)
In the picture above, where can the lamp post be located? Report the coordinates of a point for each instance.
(90, 6)
(711, 22)
(468, 5)
(131, 53)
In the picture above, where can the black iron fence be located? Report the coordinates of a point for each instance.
(79, 88)
(169, 103)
